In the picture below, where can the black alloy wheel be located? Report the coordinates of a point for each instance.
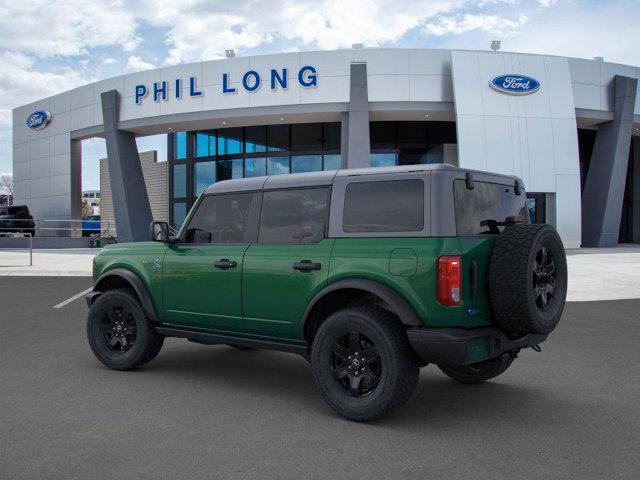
(119, 333)
(544, 278)
(119, 329)
(356, 364)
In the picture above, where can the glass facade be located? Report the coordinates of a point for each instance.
(201, 158)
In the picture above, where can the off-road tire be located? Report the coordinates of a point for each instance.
(148, 341)
(397, 362)
(513, 273)
(479, 372)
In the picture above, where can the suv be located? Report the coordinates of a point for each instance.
(17, 219)
(369, 274)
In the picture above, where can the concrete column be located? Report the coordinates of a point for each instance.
(604, 187)
(636, 190)
(129, 194)
(357, 141)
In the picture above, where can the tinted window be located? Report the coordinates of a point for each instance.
(487, 201)
(294, 216)
(220, 219)
(388, 206)
(180, 180)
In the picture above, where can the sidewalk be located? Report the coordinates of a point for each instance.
(594, 274)
(68, 262)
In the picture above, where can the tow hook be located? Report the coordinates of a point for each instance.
(536, 348)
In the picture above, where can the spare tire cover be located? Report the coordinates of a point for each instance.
(528, 279)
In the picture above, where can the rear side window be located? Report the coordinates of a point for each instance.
(220, 219)
(386, 206)
(477, 209)
(294, 216)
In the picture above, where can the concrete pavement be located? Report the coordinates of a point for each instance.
(203, 412)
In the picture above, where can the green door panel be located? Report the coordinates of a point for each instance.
(403, 262)
(198, 294)
(274, 294)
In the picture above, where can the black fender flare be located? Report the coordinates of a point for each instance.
(136, 283)
(399, 305)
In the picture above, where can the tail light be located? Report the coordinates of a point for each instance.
(449, 280)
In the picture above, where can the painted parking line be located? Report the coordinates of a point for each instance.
(71, 299)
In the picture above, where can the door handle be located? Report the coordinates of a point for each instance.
(225, 264)
(306, 266)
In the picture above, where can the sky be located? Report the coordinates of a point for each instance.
(48, 47)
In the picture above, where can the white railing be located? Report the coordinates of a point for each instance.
(58, 228)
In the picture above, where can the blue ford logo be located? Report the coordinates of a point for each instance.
(38, 119)
(515, 84)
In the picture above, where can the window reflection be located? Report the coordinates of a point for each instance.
(306, 163)
(205, 144)
(180, 180)
(180, 146)
(255, 167)
(204, 174)
(277, 165)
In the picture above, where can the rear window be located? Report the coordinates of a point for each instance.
(477, 209)
(386, 206)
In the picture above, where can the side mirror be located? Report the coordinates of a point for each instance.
(159, 232)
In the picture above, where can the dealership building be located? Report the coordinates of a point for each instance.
(568, 127)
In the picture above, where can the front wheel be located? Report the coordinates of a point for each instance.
(482, 371)
(119, 333)
(363, 363)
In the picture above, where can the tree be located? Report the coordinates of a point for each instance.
(86, 208)
(6, 185)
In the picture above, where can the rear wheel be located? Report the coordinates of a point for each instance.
(119, 333)
(482, 371)
(363, 364)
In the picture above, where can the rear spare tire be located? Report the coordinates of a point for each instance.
(528, 279)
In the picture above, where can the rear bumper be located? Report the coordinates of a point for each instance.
(456, 347)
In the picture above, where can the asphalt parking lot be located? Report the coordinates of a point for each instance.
(572, 411)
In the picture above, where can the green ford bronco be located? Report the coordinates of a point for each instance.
(369, 274)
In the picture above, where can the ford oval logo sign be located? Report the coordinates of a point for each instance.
(38, 119)
(515, 84)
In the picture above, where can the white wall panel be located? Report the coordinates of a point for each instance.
(330, 90)
(59, 144)
(587, 96)
(59, 165)
(212, 71)
(115, 83)
(430, 88)
(429, 62)
(472, 145)
(82, 117)
(384, 61)
(60, 103)
(20, 133)
(21, 152)
(329, 64)
(39, 149)
(388, 88)
(81, 97)
(39, 167)
(39, 188)
(585, 71)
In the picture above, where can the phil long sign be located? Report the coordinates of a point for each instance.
(250, 81)
(515, 84)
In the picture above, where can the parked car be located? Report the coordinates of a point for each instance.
(369, 274)
(17, 219)
(91, 225)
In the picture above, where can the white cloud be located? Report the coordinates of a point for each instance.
(547, 3)
(491, 24)
(46, 28)
(108, 61)
(135, 63)
(21, 83)
(199, 31)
